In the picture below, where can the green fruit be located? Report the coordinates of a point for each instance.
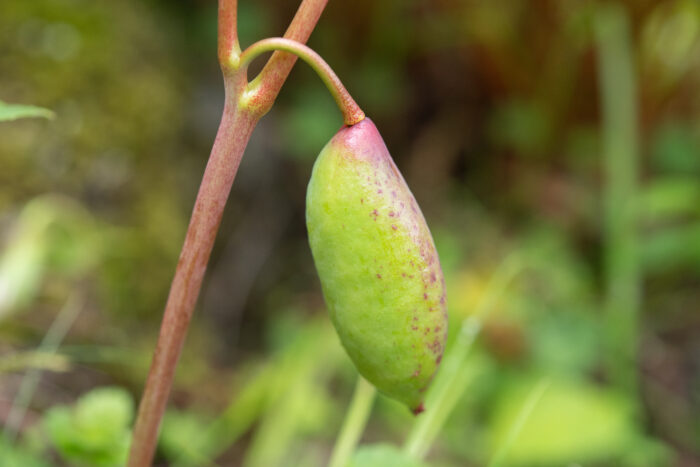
(377, 262)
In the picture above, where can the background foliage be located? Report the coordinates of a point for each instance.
(491, 110)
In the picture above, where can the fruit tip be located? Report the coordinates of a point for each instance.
(419, 409)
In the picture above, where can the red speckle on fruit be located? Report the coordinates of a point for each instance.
(403, 274)
(393, 226)
(379, 191)
(362, 201)
(436, 346)
(379, 276)
(391, 214)
(438, 360)
(418, 409)
(432, 277)
(425, 296)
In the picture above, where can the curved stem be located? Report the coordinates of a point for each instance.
(354, 423)
(352, 113)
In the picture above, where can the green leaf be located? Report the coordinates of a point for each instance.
(182, 436)
(573, 422)
(13, 454)
(96, 431)
(10, 112)
(383, 455)
(670, 197)
(672, 248)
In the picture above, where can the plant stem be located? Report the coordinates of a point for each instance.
(228, 46)
(529, 405)
(620, 154)
(276, 70)
(352, 113)
(452, 379)
(354, 424)
(236, 126)
(231, 139)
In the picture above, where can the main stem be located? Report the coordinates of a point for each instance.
(236, 126)
(231, 140)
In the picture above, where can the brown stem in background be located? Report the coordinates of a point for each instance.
(236, 126)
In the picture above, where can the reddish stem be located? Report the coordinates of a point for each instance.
(231, 140)
(228, 30)
(234, 132)
(276, 70)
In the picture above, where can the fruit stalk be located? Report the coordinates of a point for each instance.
(352, 113)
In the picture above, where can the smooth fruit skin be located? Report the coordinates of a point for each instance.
(378, 265)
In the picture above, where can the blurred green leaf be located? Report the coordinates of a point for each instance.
(383, 455)
(21, 269)
(675, 148)
(96, 431)
(181, 435)
(51, 231)
(670, 197)
(12, 454)
(671, 248)
(574, 422)
(10, 112)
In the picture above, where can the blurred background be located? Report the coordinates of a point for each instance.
(554, 146)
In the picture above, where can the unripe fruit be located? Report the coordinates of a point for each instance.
(377, 262)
